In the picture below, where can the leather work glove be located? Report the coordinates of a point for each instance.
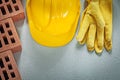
(96, 25)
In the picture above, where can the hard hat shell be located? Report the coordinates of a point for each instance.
(53, 22)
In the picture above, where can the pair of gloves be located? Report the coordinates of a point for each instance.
(96, 26)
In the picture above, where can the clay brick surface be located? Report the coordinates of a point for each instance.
(11, 9)
(9, 39)
(8, 67)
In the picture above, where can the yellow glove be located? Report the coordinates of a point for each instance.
(95, 24)
(106, 9)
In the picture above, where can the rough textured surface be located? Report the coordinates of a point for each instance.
(8, 67)
(8, 36)
(12, 9)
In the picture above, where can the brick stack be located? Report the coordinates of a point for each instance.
(10, 12)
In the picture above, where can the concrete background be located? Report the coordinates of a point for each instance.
(71, 62)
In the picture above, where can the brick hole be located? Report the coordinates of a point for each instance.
(10, 32)
(5, 75)
(5, 40)
(9, 8)
(12, 40)
(16, 8)
(12, 74)
(1, 29)
(10, 67)
(6, 0)
(3, 10)
(0, 78)
(0, 44)
(14, 1)
(7, 25)
(1, 63)
(7, 59)
(0, 1)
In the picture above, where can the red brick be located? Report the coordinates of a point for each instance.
(9, 39)
(11, 9)
(8, 67)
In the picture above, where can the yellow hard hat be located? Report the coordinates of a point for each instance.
(53, 22)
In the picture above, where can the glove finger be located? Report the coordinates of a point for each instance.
(99, 43)
(84, 39)
(108, 37)
(97, 50)
(108, 45)
(83, 29)
(91, 37)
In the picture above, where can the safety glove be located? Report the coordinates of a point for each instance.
(106, 9)
(96, 25)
